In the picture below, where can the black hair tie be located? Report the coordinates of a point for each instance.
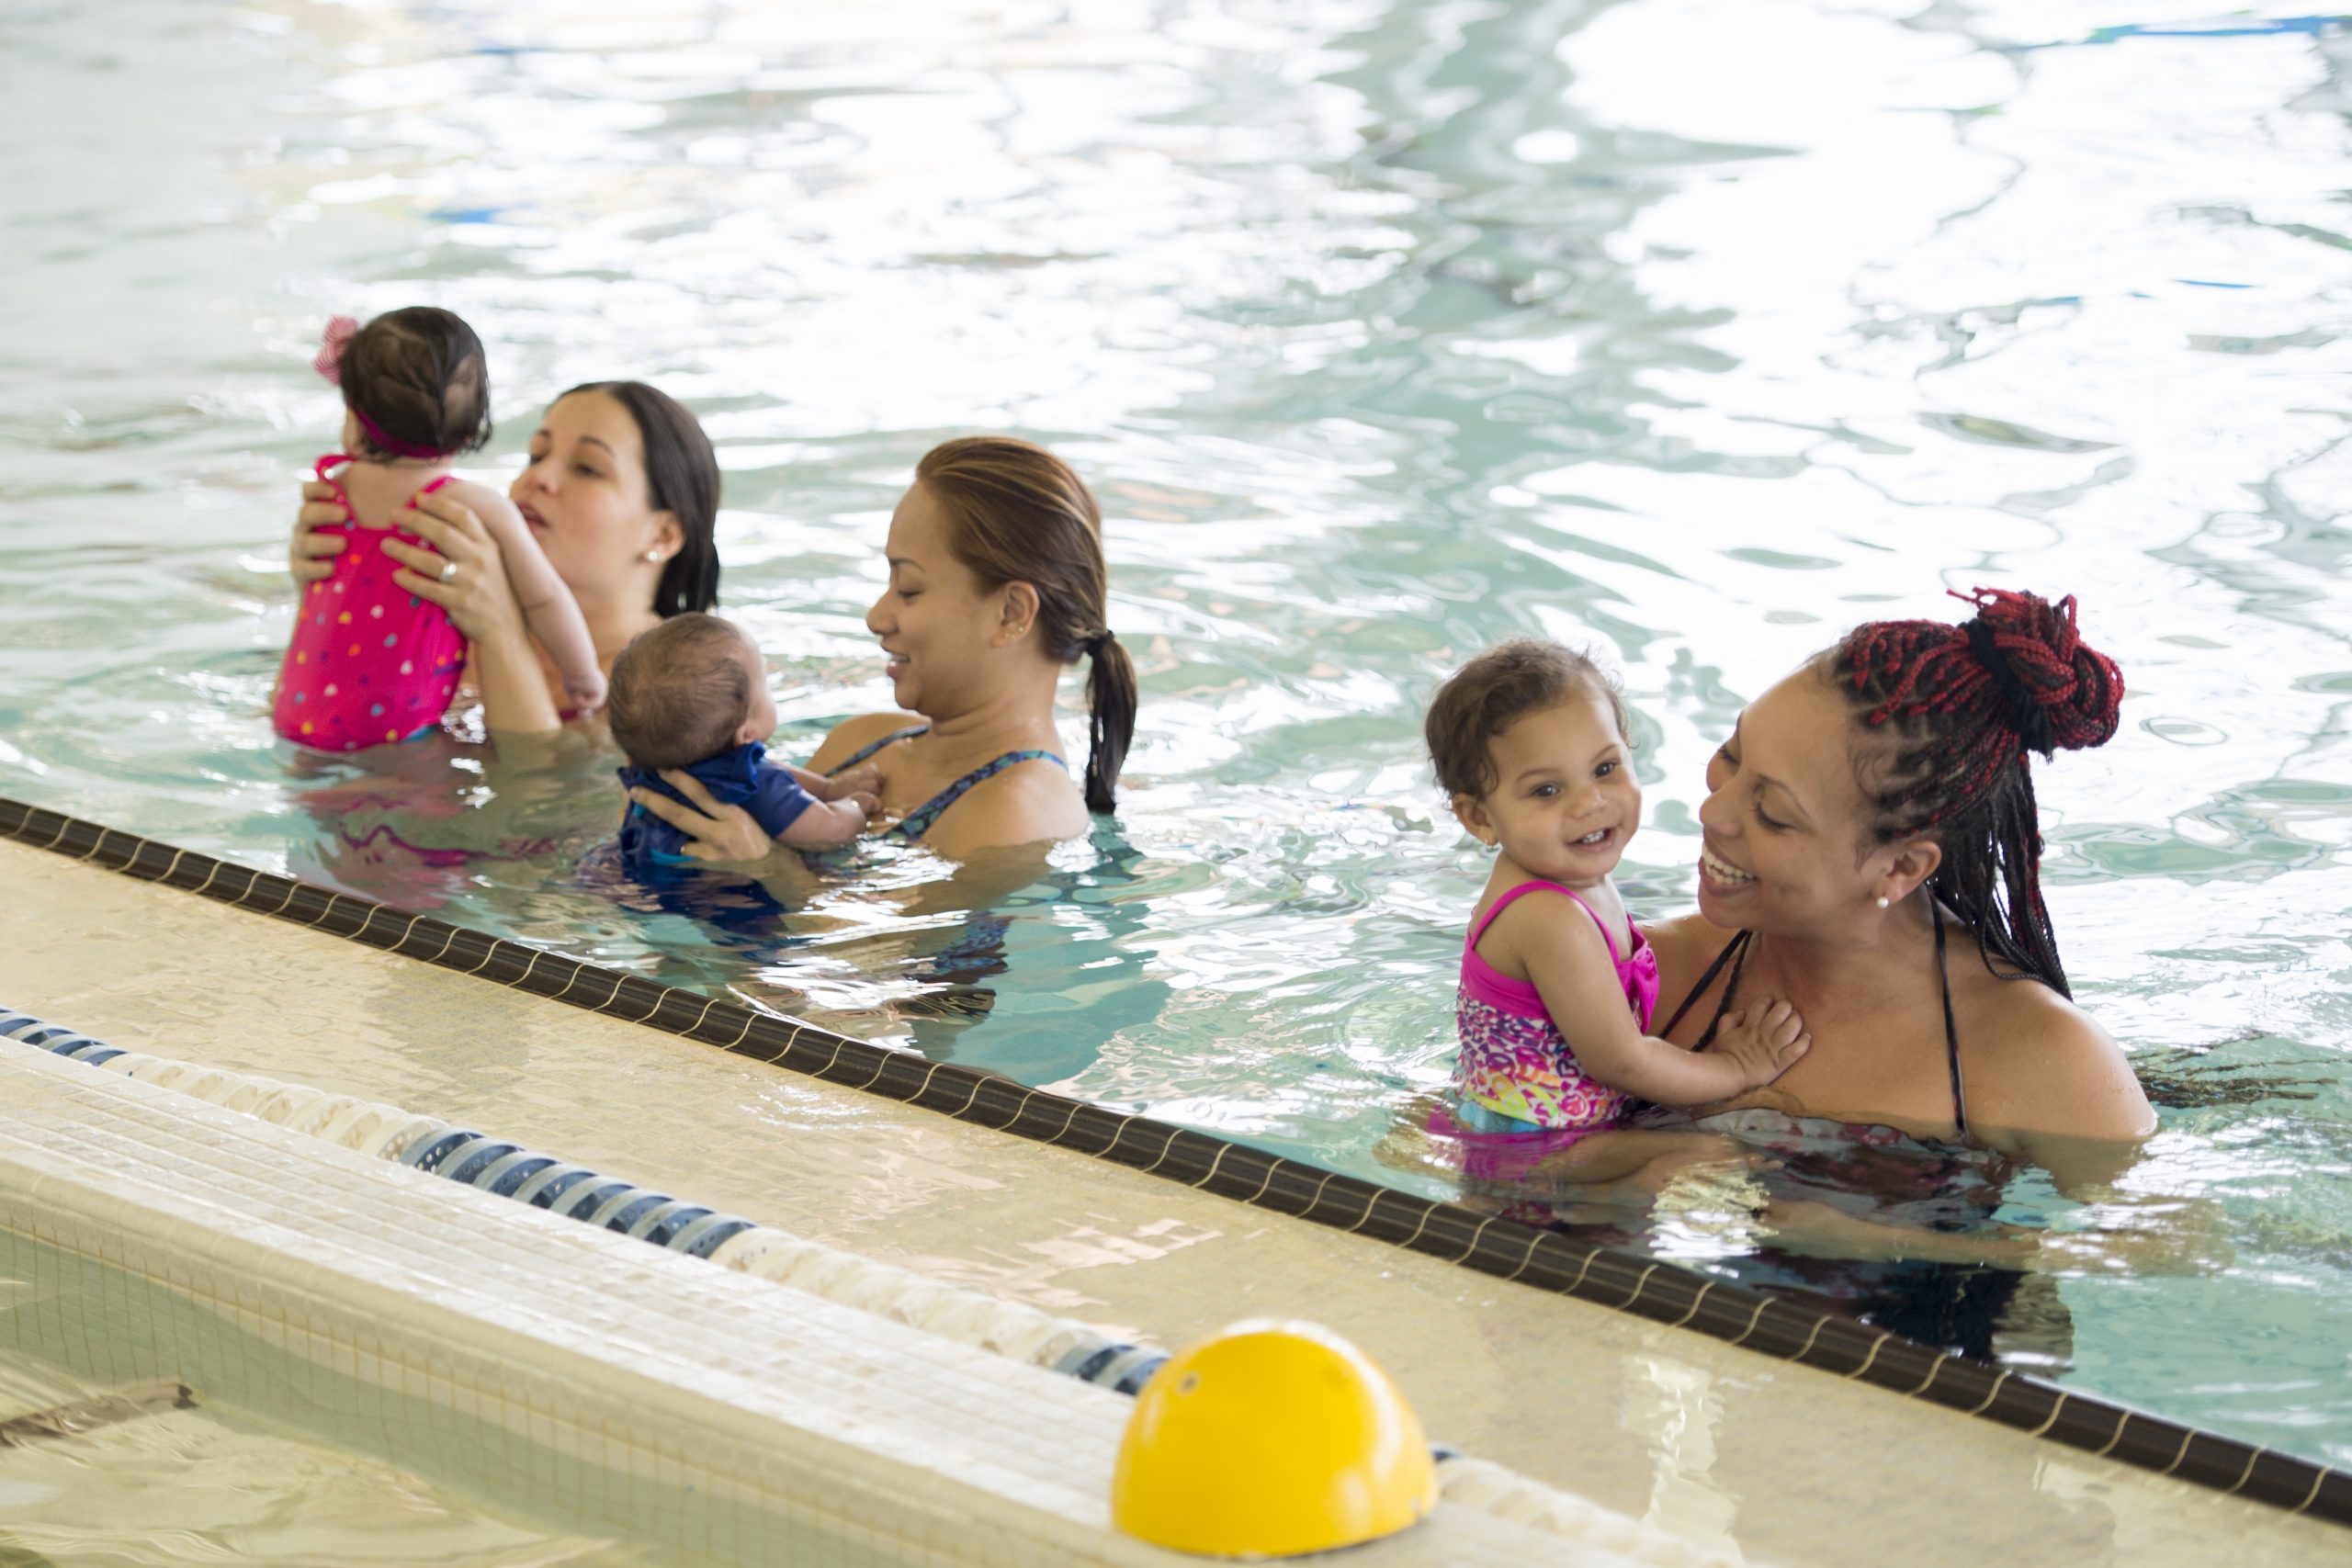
(1093, 645)
(2026, 717)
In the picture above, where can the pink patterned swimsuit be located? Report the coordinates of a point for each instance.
(1515, 1063)
(370, 662)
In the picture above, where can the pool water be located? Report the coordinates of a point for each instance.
(1692, 329)
(208, 1483)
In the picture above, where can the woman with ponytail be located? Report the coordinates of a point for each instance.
(1871, 843)
(997, 586)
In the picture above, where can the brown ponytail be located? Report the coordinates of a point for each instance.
(1018, 513)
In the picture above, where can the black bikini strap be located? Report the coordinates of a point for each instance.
(1735, 948)
(1951, 1030)
(1734, 953)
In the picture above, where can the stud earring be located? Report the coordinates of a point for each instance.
(1881, 900)
(654, 555)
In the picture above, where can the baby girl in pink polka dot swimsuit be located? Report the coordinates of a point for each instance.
(371, 662)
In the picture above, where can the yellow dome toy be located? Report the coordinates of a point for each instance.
(1267, 1440)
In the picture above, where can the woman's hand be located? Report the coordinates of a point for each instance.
(713, 831)
(311, 557)
(1810, 1227)
(477, 594)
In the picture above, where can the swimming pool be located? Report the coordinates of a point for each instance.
(1697, 330)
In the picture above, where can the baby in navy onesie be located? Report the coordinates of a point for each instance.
(693, 694)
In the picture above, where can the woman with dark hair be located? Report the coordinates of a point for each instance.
(1871, 843)
(998, 584)
(621, 492)
(1870, 813)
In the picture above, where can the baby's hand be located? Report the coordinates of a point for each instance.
(587, 695)
(865, 779)
(1766, 1039)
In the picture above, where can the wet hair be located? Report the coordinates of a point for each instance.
(1950, 716)
(1492, 692)
(682, 478)
(681, 690)
(1018, 513)
(420, 383)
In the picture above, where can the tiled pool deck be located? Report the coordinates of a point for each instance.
(1723, 1446)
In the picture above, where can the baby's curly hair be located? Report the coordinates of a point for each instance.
(680, 691)
(1491, 694)
(419, 380)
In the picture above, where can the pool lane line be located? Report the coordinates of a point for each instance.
(470, 1157)
(1609, 1277)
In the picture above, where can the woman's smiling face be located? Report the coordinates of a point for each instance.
(936, 622)
(1782, 826)
(586, 495)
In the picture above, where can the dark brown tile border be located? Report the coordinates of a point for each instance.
(1623, 1280)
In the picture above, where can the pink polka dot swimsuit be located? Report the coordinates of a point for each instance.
(370, 661)
(1514, 1060)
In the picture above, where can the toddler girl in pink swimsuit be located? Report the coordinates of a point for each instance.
(1558, 986)
(371, 662)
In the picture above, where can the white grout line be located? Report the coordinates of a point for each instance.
(1868, 1361)
(1992, 1393)
(1701, 1296)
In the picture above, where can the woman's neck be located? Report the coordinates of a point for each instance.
(1850, 968)
(1018, 715)
(614, 619)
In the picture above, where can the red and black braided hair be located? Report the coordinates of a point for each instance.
(1957, 710)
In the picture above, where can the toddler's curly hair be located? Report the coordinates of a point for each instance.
(1492, 691)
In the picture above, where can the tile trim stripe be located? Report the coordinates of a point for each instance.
(1620, 1280)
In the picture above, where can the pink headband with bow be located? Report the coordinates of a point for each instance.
(340, 331)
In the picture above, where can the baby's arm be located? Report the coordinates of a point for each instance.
(824, 788)
(554, 615)
(827, 824)
(782, 804)
(1577, 979)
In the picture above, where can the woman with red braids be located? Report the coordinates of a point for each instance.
(1871, 844)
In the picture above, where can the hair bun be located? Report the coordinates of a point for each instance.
(2063, 693)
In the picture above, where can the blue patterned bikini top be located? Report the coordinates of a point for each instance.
(916, 823)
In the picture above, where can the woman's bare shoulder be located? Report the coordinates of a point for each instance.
(1685, 943)
(2036, 1063)
(846, 738)
(1034, 803)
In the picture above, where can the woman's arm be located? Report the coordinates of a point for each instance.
(1034, 803)
(514, 695)
(2148, 1236)
(2045, 1082)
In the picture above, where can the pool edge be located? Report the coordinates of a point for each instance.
(1620, 1280)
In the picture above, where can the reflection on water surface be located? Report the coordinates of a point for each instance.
(1692, 329)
